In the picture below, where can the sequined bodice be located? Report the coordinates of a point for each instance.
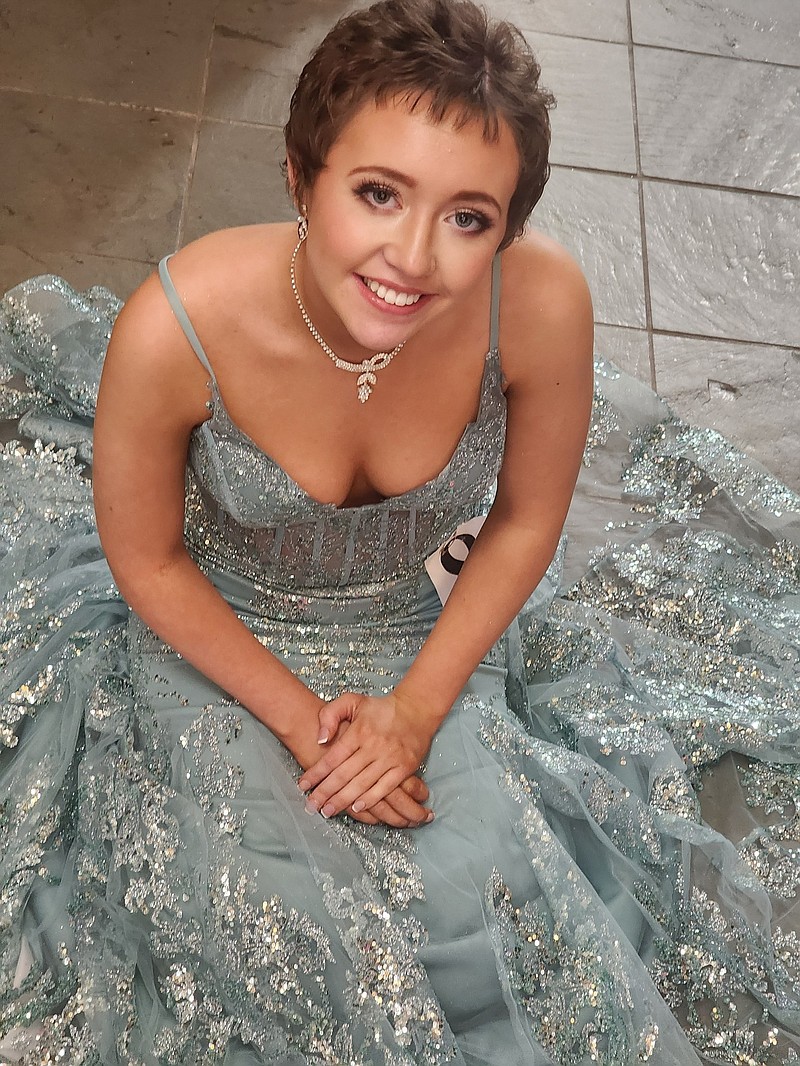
(246, 515)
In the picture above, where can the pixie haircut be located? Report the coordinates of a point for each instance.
(445, 55)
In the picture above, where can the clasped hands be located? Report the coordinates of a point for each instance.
(376, 746)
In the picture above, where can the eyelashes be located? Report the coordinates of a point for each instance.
(379, 194)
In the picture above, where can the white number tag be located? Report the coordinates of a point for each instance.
(445, 564)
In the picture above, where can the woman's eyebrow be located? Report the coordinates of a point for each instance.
(411, 183)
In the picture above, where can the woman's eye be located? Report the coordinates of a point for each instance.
(471, 221)
(377, 195)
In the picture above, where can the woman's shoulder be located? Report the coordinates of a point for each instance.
(220, 247)
(546, 310)
(215, 278)
(221, 262)
(538, 266)
(230, 261)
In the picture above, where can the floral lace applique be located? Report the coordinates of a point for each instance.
(389, 982)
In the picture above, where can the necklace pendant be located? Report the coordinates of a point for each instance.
(365, 383)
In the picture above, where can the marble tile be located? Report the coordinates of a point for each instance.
(237, 179)
(746, 133)
(147, 53)
(750, 29)
(82, 271)
(91, 178)
(258, 52)
(596, 216)
(593, 121)
(626, 348)
(749, 393)
(723, 264)
(602, 20)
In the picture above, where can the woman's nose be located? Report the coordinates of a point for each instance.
(411, 250)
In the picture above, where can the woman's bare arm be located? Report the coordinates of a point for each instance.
(153, 393)
(550, 374)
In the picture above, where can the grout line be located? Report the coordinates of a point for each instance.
(712, 338)
(187, 184)
(37, 253)
(112, 258)
(659, 47)
(784, 346)
(125, 105)
(618, 325)
(717, 55)
(656, 179)
(564, 36)
(648, 307)
(243, 122)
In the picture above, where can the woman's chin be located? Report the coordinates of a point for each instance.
(369, 340)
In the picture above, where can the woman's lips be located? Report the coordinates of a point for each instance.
(368, 287)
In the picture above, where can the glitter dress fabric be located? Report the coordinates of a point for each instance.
(613, 873)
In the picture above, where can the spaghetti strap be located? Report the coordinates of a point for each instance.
(494, 313)
(180, 313)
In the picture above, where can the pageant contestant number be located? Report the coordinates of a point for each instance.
(444, 565)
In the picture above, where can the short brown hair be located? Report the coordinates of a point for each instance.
(447, 52)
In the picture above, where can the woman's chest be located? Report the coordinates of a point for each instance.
(245, 509)
(309, 421)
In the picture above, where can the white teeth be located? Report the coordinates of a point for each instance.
(397, 299)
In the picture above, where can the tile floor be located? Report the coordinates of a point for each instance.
(130, 128)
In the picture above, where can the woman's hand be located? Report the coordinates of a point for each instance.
(402, 808)
(384, 745)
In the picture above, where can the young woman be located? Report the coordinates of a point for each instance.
(314, 800)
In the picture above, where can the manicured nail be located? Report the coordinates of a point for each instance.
(310, 807)
(302, 784)
(328, 810)
(359, 805)
(323, 737)
(430, 817)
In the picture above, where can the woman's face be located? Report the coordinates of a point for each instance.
(404, 220)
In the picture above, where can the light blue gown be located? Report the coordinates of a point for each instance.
(164, 897)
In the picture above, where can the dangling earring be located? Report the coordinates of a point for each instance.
(302, 224)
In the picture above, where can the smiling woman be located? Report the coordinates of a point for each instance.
(355, 760)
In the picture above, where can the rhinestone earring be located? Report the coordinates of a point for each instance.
(302, 224)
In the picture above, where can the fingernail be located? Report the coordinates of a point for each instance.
(323, 737)
(310, 807)
(302, 784)
(328, 810)
(359, 805)
(430, 817)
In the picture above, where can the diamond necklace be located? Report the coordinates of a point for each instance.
(367, 368)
